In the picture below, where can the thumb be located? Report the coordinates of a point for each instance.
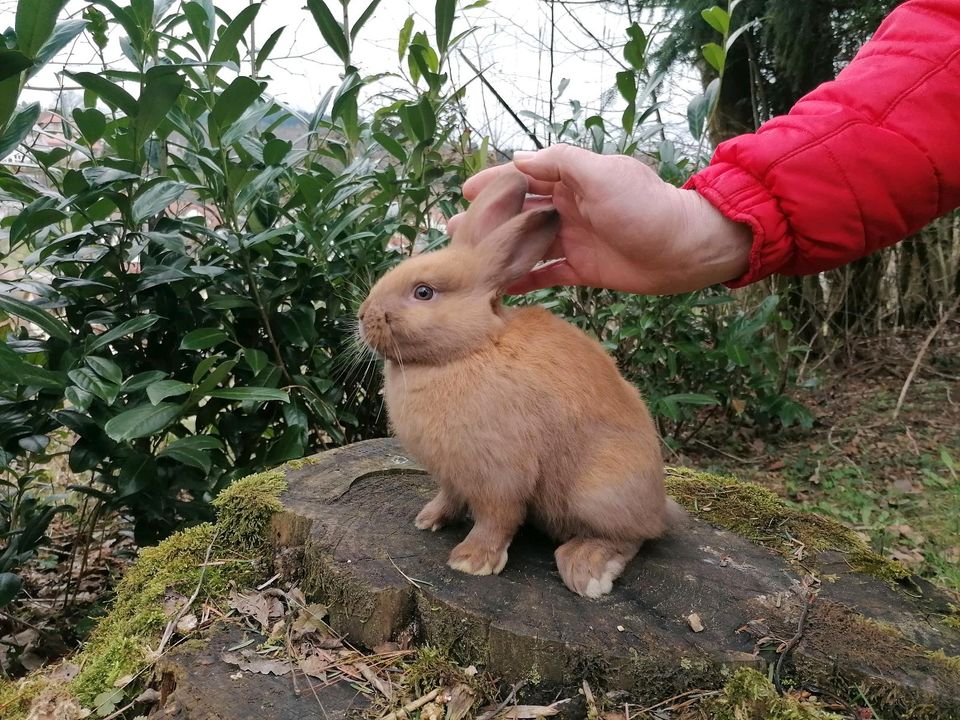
(573, 166)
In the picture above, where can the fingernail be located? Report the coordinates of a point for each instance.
(523, 155)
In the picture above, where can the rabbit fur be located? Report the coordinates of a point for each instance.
(517, 414)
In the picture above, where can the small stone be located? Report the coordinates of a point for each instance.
(693, 620)
(620, 628)
(187, 624)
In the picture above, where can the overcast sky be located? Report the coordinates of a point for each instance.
(509, 44)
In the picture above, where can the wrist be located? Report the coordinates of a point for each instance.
(721, 251)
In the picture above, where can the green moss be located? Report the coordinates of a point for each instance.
(301, 463)
(950, 663)
(431, 668)
(244, 509)
(17, 695)
(757, 514)
(122, 642)
(749, 695)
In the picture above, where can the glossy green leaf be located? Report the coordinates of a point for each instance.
(156, 197)
(39, 317)
(63, 34)
(391, 146)
(142, 421)
(233, 102)
(715, 55)
(444, 11)
(163, 389)
(111, 93)
(202, 21)
(86, 379)
(129, 327)
(160, 92)
(91, 123)
(12, 63)
(701, 107)
(203, 339)
(35, 22)
(20, 125)
(362, 20)
(627, 85)
(330, 29)
(138, 473)
(260, 394)
(256, 359)
(193, 451)
(635, 49)
(107, 369)
(717, 18)
(263, 54)
(404, 39)
(419, 119)
(226, 47)
(691, 399)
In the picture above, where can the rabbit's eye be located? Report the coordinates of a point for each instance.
(423, 292)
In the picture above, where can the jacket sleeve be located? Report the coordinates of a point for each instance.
(859, 163)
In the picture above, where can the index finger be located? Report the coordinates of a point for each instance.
(476, 183)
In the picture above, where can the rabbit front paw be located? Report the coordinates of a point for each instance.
(475, 558)
(438, 512)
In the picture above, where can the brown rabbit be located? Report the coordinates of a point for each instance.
(516, 413)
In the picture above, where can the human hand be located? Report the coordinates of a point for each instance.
(621, 226)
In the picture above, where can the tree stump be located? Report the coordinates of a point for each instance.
(689, 608)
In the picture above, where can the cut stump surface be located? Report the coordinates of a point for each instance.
(347, 537)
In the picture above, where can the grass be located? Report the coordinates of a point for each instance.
(894, 482)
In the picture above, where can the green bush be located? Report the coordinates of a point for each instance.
(697, 357)
(183, 350)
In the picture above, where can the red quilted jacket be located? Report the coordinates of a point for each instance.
(859, 163)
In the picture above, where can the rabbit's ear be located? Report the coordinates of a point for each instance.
(515, 247)
(500, 201)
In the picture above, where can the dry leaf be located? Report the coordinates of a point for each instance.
(310, 619)
(528, 712)
(259, 606)
(315, 666)
(296, 598)
(251, 662)
(693, 620)
(459, 701)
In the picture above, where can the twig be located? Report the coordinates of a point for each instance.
(745, 461)
(506, 106)
(411, 706)
(121, 711)
(923, 351)
(592, 712)
(699, 693)
(171, 626)
(371, 677)
(417, 583)
(792, 643)
(509, 699)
